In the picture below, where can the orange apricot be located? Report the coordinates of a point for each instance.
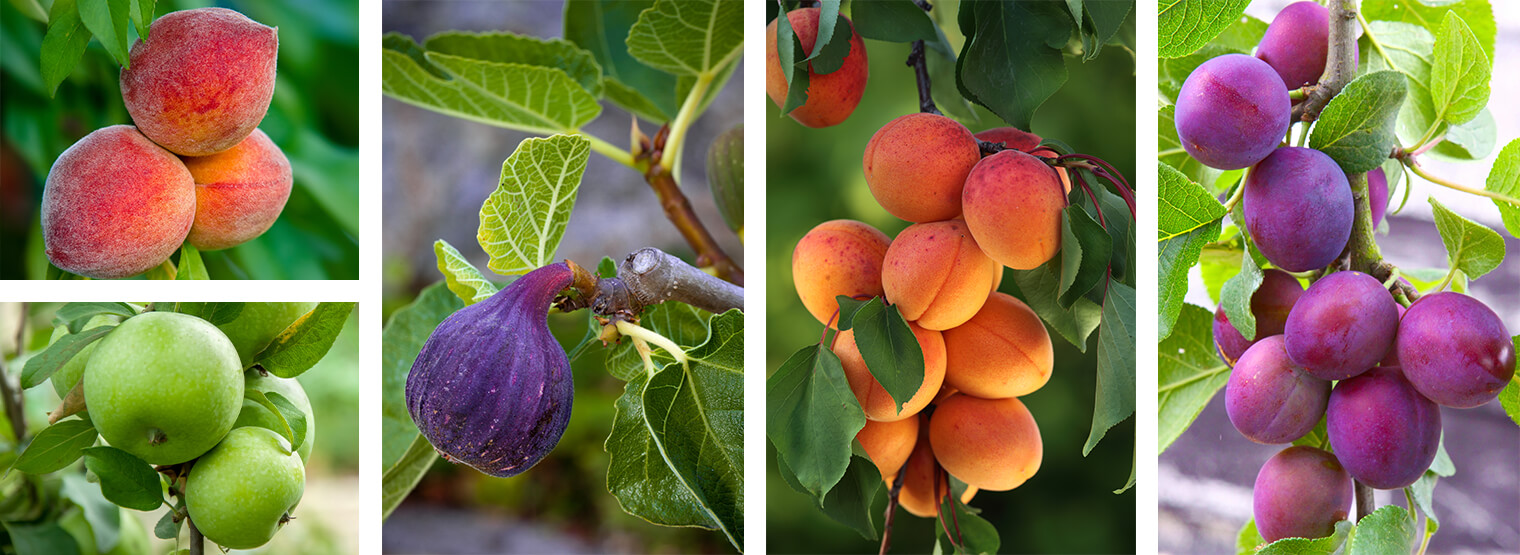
(993, 444)
(888, 443)
(1013, 203)
(832, 97)
(936, 274)
(838, 257)
(917, 164)
(874, 399)
(1003, 351)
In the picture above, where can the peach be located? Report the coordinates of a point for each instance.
(202, 81)
(888, 443)
(115, 205)
(1013, 203)
(874, 399)
(917, 164)
(993, 444)
(239, 192)
(832, 97)
(1003, 351)
(936, 274)
(838, 257)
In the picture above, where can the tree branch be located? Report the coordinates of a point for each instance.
(678, 210)
(897, 486)
(1340, 63)
(647, 277)
(921, 75)
(10, 394)
(197, 541)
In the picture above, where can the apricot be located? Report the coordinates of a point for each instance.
(239, 192)
(115, 205)
(202, 80)
(1013, 203)
(874, 399)
(1011, 137)
(936, 274)
(1003, 351)
(921, 480)
(838, 257)
(888, 443)
(997, 277)
(832, 97)
(993, 444)
(916, 166)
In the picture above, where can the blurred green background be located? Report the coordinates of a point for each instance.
(314, 118)
(814, 175)
(329, 514)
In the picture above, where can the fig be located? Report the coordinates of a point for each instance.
(725, 175)
(491, 387)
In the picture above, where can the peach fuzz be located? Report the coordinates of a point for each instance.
(115, 205)
(202, 80)
(993, 444)
(1013, 203)
(838, 257)
(888, 443)
(1003, 351)
(936, 274)
(917, 164)
(874, 399)
(239, 192)
(832, 97)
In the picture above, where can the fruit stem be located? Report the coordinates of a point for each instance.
(1419, 170)
(920, 67)
(686, 116)
(1340, 66)
(1364, 500)
(897, 486)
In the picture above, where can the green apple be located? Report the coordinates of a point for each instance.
(255, 414)
(259, 323)
(164, 386)
(65, 378)
(244, 490)
(132, 538)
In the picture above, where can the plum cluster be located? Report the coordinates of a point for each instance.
(170, 388)
(983, 349)
(1346, 351)
(195, 168)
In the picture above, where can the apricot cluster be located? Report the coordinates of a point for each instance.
(194, 168)
(973, 216)
(1377, 373)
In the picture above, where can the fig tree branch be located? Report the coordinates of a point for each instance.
(1340, 63)
(647, 277)
(678, 210)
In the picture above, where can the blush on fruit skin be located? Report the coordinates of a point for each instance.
(1455, 350)
(115, 205)
(202, 80)
(917, 164)
(1301, 492)
(1232, 112)
(1013, 203)
(239, 192)
(1299, 209)
(832, 97)
(1382, 430)
(1343, 325)
(1271, 303)
(837, 257)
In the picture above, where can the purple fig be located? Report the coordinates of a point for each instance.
(491, 387)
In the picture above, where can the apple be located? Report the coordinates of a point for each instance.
(244, 490)
(132, 538)
(255, 414)
(164, 386)
(259, 323)
(65, 378)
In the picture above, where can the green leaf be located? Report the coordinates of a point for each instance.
(534, 99)
(828, 55)
(1318, 438)
(461, 276)
(1248, 539)
(56, 446)
(509, 48)
(1183, 26)
(1470, 246)
(1236, 295)
(889, 348)
(687, 37)
(602, 28)
(125, 479)
(402, 476)
(1473, 140)
(1188, 218)
(1357, 127)
(293, 417)
(46, 537)
(190, 264)
(1086, 249)
(303, 343)
(1173, 154)
(108, 20)
(811, 417)
(521, 223)
(63, 44)
(1387, 530)
(100, 513)
(167, 528)
(639, 477)
(850, 502)
(216, 313)
(893, 21)
(40, 367)
(1407, 49)
(32, 9)
(976, 535)
(1115, 397)
(796, 93)
(1011, 61)
(289, 432)
(1306, 546)
(76, 315)
(1039, 288)
(1460, 72)
(1103, 20)
(1188, 374)
(1504, 179)
(695, 415)
(142, 15)
(1478, 14)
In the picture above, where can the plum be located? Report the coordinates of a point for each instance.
(1270, 304)
(1232, 111)
(1382, 429)
(1301, 492)
(1299, 209)
(1343, 325)
(1270, 399)
(1455, 350)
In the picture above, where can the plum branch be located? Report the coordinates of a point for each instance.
(680, 213)
(1340, 63)
(647, 277)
